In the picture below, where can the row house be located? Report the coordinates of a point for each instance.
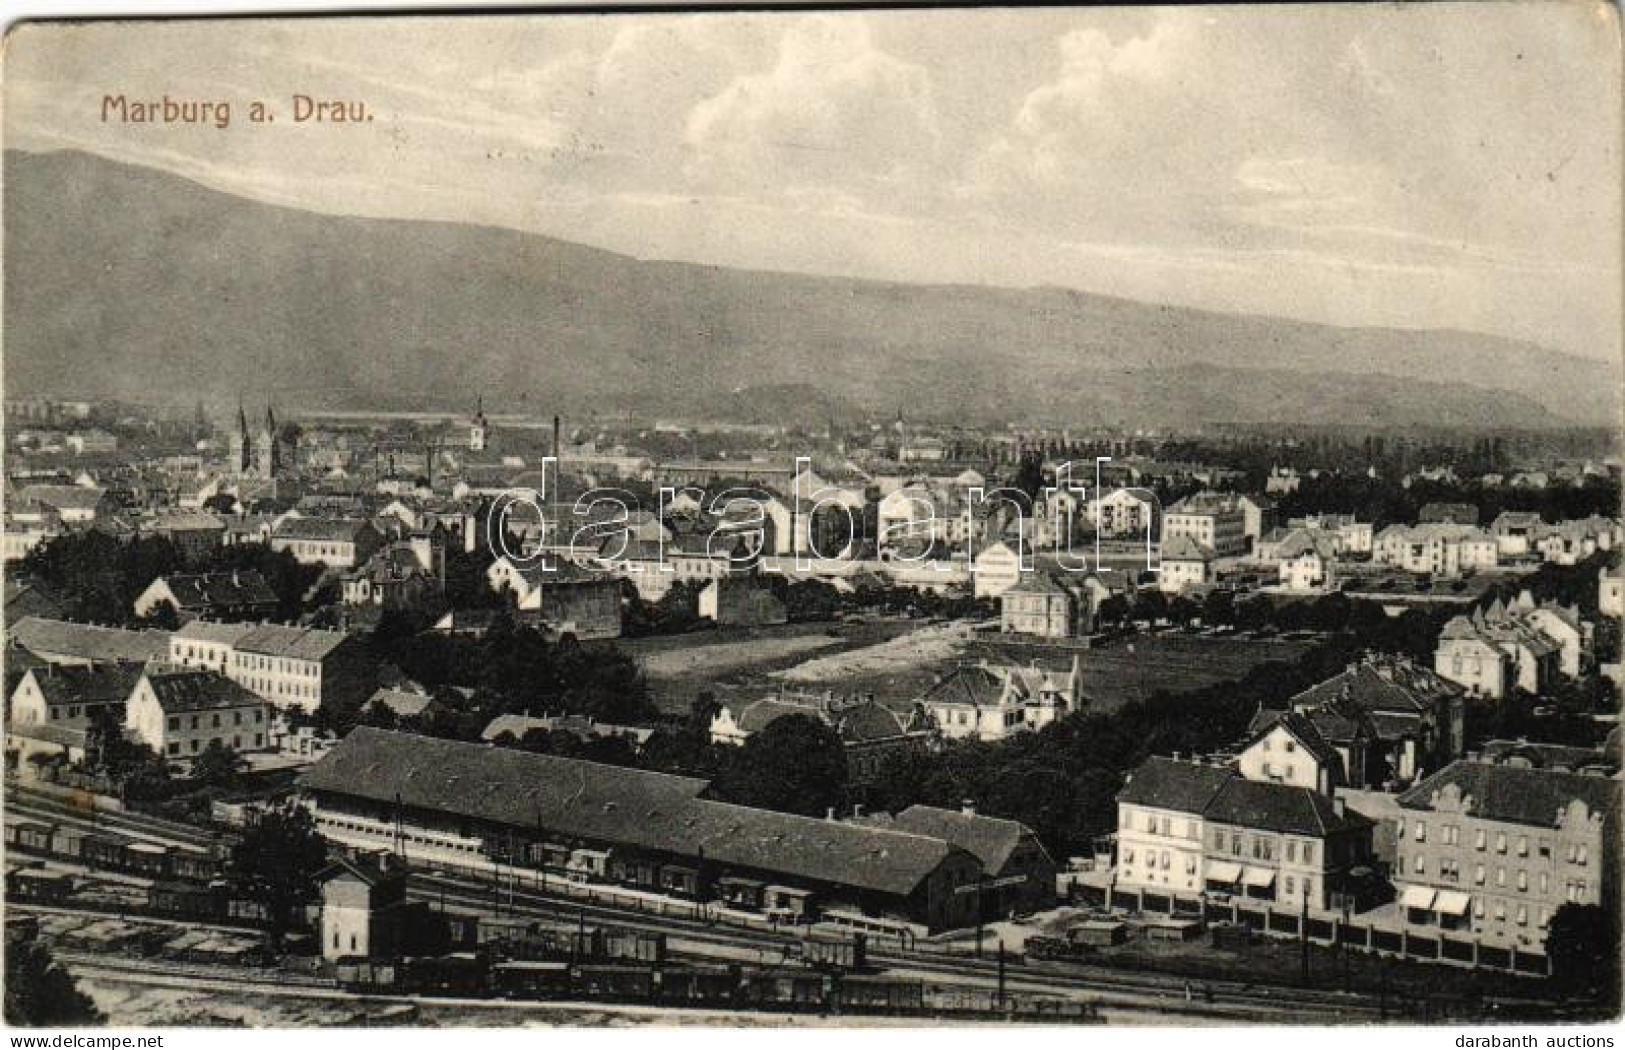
(1495, 849)
(1438, 549)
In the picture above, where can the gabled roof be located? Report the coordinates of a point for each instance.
(1167, 783)
(1382, 684)
(1281, 808)
(180, 689)
(205, 591)
(1183, 548)
(990, 839)
(1302, 728)
(1514, 794)
(101, 684)
(974, 684)
(332, 530)
(298, 643)
(615, 804)
(89, 642)
(401, 702)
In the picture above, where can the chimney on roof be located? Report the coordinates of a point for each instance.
(1339, 806)
(829, 813)
(968, 807)
(857, 810)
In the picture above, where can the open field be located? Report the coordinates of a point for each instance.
(898, 660)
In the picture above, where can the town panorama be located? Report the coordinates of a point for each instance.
(708, 520)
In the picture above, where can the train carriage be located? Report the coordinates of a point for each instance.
(697, 985)
(879, 995)
(616, 982)
(531, 979)
(787, 990)
(29, 836)
(147, 859)
(102, 851)
(634, 946)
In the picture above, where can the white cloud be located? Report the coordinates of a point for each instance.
(833, 108)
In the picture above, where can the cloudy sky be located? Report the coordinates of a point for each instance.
(1422, 166)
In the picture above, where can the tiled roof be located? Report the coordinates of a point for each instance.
(102, 684)
(1166, 783)
(615, 804)
(189, 689)
(1514, 794)
(1302, 728)
(401, 702)
(1183, 548)
(89, 642)
(332, 530)
(1381, 684)
(1282, 808)
(973, 684)
(209, 590)
(298, 643)
(216, 633)
(990, 839)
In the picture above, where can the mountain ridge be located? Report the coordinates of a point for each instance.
(200, 290)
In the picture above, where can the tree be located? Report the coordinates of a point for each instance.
(794, 764)
(1582, 943)
(40, 993)
(218, 766)
(277, 861)
(163, 615)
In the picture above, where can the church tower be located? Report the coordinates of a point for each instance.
(267, 448)
(479, 430)
(241, 455)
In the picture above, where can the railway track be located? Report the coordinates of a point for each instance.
(45, 809)
(1106, 987)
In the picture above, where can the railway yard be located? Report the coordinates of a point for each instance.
(151, 924)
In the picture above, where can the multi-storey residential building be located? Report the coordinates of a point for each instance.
(1258, 516)
(1286, 748)
(1439, 549)
(1184, 564)
(286, 666)
(1212, 519)
(1418, 717)
(1125, 514)
(233, 595)
(1188, 829)
(1495, 849)
(180, 711)
(1306, 561)
(1495, 651)
(337, 543)
(1048, 604)
(1159, 824)
(570, 599)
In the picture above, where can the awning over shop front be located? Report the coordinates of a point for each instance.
(1258, 878)
(1452, 902)
(1223, 871)
(1419, 897)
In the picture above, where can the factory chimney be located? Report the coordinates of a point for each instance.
(555, 439)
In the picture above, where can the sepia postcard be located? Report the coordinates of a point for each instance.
(814, 517)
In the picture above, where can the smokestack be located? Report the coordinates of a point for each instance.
(968, 807)
(555, 439)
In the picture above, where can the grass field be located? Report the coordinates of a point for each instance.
(877, 658)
